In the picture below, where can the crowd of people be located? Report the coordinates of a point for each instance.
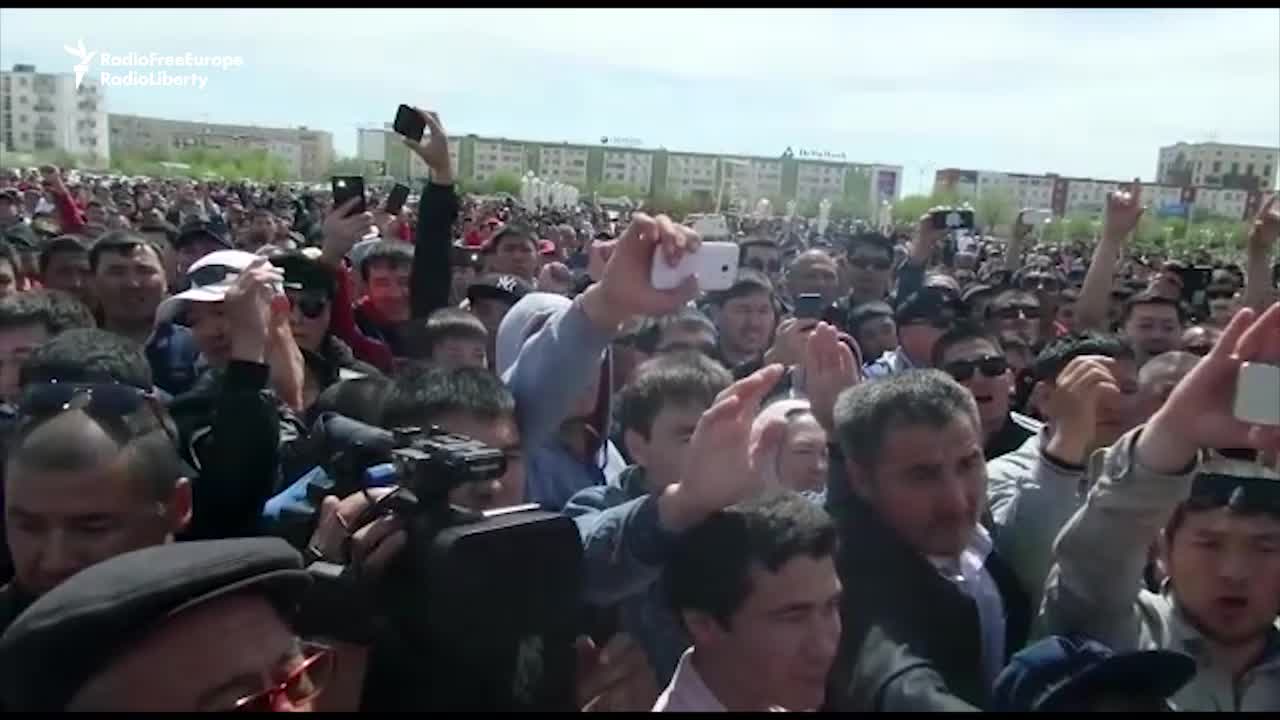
(983, 475)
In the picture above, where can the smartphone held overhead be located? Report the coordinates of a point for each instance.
(395, 201)
(409, 123)
(715, 265)
(346, 187)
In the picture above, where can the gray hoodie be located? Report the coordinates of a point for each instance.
(546, 352)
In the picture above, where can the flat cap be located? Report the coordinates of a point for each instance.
(74, 630)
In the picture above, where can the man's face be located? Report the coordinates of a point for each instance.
(16, 344)
(746, 322)
(211, 330)
(929, 485)
(8, 280)
(456, 352)
(815, 273)
(780, 644)
(206, 658)
(498, 433)
(262, 230)
(803, 460)
(1225, 568)
(677, 337)
(95, 214)
(765, 258)
(870, 271)
(991, 392)
(515, 256)
(662, 453)
(877, 336)
(1118, 415)
(1017, 313)
(131, 284)
(69, 271)
(388, 288)
(60, 522)
(1223, 304)
(1154, 328)
(309, 312)
(919, 336)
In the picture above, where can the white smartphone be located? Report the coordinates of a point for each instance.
(1258, 394)
(715, 265)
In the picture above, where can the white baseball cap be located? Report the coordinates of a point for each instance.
(210, 278)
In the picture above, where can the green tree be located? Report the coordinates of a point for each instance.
(994, 209)
(911, 207)
(507, 183)
(352, 166)
(615, 189)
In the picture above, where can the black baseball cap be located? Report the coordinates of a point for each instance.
(1064, 673)
(928, 303)
(74, 630)
(197, 229)
(507, 288)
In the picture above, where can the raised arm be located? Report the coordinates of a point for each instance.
(1258, 292)
(1124, 209)
(430, 278)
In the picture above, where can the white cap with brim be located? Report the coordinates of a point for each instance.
(232, 261)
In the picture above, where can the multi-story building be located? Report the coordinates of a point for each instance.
(563, 163)
(1218, 165)
(1088, 196)
(497, 157)
(41, 112)
(307, 153)
(689, 173)
(631, 168)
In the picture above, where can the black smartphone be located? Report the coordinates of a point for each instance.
(952, 219)
(395, 201)
(409, 123)
(809, 306)
(346, 187)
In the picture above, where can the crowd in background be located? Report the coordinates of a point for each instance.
(889, 468)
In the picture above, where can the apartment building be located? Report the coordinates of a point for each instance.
(564, 163)
(498, 156)
(306, 153)
(1219, 165)
(689, 173)
(633, 168)
(43, 112)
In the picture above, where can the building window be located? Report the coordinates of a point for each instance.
(1217, 166)
(1235, 168)
(1248, 169)
(1266, 173)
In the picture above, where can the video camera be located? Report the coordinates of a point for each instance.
(472, 593)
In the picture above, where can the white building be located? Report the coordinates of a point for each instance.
(633, 168)
(495, 157)
(563, 164)
(750, 179)
(818, 180)
(691, 173)
(371, 144)
(42, 112)
(1219, 165)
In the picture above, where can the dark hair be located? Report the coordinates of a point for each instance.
(1234, 506)
(867, 311)
(420, 398)
(1147, 297)
(686, 317)
(710, 566)
(120, 242)
(305, 271)
(1060, 351)
(866, 413)
(88, 355)
(749, 281)
(359, 398)
(687, 377)
(56, 246)
(513, 230)
(962, 331)
(57, 311)
(169, 230)
(441, 325)
(385, 252)
(876, 240)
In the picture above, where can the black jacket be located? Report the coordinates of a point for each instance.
(908, 631)
(229, 427)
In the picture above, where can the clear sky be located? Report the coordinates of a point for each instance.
(1092, 93)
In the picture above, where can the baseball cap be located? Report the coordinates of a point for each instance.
(928, 303)
(498, 287)
(1061, 672)
(74, 630)
(201, 229)
(211, 277)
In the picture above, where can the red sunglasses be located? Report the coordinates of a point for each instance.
(302, 685)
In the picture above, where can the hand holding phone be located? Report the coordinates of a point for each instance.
(395, 201)
(715, 264)
(346, 187)
(409, 123)
(1258, 394)
(809, 306)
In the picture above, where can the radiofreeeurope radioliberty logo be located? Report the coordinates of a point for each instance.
(134, 69)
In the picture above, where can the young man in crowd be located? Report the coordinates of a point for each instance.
(490, 298)
(814, 271)
(1016, 311)
(762, 255)
(870, 268)
(623, 537)
(756, 587)
(85, 484)
(1153, 324)
(931, 608)
(871, 325)
(27, 321)
(513, 251)
(129, 284)
(1221, 530)
(975, 359)
(451, 338)
(922, 317)
(64, 265)
(745, 316)
(385, 271)
(686, 329)
(196, 239)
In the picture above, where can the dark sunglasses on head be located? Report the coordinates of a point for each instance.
(771, 266)
(311, 305)
(990, 366)
(210, 275)
(102, 401)
(865, 263)
(1013, 312)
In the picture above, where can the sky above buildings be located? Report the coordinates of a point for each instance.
(1088, 93)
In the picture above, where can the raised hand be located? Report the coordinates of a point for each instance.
(248, 306)
(342, 231)
(615, 678)
(789, 342)
(1265, 229)
(829, 367)
(927, 238)
(1199, 412)
(720, 467)
(623, 290)
(433, 148)
(1124, 210)
(372, 546)
(1083, 386)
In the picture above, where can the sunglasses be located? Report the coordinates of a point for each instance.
(1040, 282)
(991, 366)
(311, 305)
(771, 266)
(110, 403)
(1013, 312)
(302, 684)
(865, 263)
